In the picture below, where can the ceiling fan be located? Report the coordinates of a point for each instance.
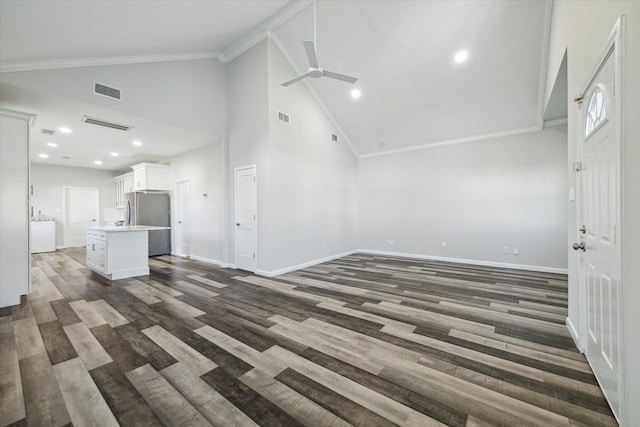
(315, 71)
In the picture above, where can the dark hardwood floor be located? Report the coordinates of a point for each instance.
(363, 340)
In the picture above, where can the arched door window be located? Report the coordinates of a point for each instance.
(596, 112)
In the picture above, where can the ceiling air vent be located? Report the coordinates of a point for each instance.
(334, 137)
(284, 117)
(48, 132)
(99, 122)
(109, 92)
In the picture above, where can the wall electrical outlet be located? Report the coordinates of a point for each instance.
(505, 250)
(444, 244)
(389, 241)
(516, 251)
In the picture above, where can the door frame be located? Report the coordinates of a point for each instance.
(235, 206)
(614, 46)
(176, 206)
(65, 218)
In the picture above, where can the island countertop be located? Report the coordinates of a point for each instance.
(124, 228)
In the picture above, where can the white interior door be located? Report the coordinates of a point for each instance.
(600, 260)
(183, 218)
(82, 210)
(246, 221)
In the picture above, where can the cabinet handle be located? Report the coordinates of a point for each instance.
(93, 246)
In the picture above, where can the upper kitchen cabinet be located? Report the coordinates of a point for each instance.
(124, 185)
(151, 176)
(15, 261)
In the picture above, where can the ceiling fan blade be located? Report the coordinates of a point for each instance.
(337, 76)
(292, 81)
(312, 56)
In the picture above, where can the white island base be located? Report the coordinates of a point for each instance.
(119, 252)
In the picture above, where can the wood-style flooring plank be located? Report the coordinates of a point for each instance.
(12, 408)
(44, 403)
(165, 400)
(81, 395)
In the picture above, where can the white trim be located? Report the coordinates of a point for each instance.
(28, 117)
(544, 59)
(235, 211)
(541, 269)
(538, 268)
(54, 64)
(207, 260)
(574, 334)
(555, 122)
(174, 216)
(303, 265)
(262, 30)
(313, 93)
(453, 142)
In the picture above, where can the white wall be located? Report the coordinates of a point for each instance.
(203, 168)
(307, 199)
(582, 27)
(48, 182)
(313, 181)
(248, 137)
(477, 197)
(184, 94)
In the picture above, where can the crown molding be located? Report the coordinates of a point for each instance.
(544, 60)
(454, 141)
(54, 64)
(262, 30)
(556, 122)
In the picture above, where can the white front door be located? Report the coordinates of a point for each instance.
(183, 218)
(246, 220)
(600, 260)
(81, 210)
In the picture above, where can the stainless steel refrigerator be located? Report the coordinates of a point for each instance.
(146, 208)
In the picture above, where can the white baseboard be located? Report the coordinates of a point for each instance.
(541, 269)
(574, 334)
(212, 261)
(303, 265)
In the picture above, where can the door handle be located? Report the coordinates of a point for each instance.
(93, 220)
(179, 222)
(237, 224)
(579, 246)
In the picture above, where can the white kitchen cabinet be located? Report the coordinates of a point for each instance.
(124, 185)
(118, 254)
(151, 176)
(15, 260)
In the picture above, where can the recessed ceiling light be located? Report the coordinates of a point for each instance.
(43, 156)
(355, 93)
(97, 162)
(52, 144)
(137, 143)
(114, 154)
(461, 56)
(64, 130)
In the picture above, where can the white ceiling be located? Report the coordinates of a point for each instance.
(413, 93)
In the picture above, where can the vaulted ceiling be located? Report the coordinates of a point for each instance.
(413, 92)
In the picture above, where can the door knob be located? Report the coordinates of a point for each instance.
(179, 222)
(577, 246)
(237, 224)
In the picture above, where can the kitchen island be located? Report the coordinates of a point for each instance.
(119, 252)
